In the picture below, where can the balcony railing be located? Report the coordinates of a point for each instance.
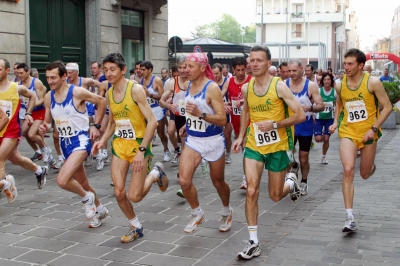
(297, 15)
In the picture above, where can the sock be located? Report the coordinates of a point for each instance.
(155, 173)
(244, 177)
(177, 149)
(45, 149)
(39, 151)
(197, 211)
(179, 145)
(86, 197)
(291, 184)
(135, 222)
(323, 156)
(39, 171)
(349, 212)
(303, 180)
(226, 210)
(60, 158)
(6, 185)
(228, 154)
(100, 208)
(253, 233)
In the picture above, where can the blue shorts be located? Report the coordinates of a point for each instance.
(322, 124)
(80, 142)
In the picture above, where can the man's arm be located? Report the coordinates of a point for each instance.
(103, 88)
(40, 92)
(316, 98)
(245, 116)
(158, 86)
(110, 127)
(88, 82)
(3, 119)
(166, 95)
(22, 90)
(43, 128)
(338, 108)
(376, 87)
(83, 95)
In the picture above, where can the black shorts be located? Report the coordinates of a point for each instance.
(304, 142)
(180, 121)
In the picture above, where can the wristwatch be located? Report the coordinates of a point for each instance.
(203, 115)
(375, 129)
(98, 126)
(143, 149)
(275, 125)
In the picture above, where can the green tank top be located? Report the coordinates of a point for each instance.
(329, 101)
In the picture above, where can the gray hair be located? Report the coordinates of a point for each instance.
(181, 59)
(72, 66)
(292, 61)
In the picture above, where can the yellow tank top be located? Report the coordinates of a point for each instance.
(360, 110)
(268, 107)
(127, 114)
(10, 103)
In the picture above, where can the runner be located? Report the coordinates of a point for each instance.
(283, 71)
(306, 92)
(267, 101)
(131, 124)
(10, 136)
(309, 73)
(138, 76)
(205, 117)
(74, 79)
(358, 121)
(324, 119)
(154, 90)
(67, 105)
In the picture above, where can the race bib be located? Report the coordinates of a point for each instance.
(195, 124)
(181, 106)
(235, 109)
(6, 106)
(265, 138)
(64, 127)
(328, 107)
(124, 129)
(26, 101)
(356, 111)
(151, 101)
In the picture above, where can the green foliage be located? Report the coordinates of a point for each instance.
(227, 28)
(393, 90)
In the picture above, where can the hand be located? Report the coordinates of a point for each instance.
(191, 108)
(29, 119)
(43, 129)
(239, 103)
(306, 108)
(370, 135)
(265, 125)
(138, 162)
(173, 107)
(146, 91)
(182, 132)
(97, 146)
(228, 109)
(238, 145)
(332, 128)
(94, 133)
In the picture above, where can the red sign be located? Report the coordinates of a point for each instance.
(197, 49)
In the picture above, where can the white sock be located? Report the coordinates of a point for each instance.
(45, 149)
(228, 154)
(291, 184)
(39, 171)
(197, 211)
(39, 151)
(86, 197)
(135, 222)
(253, 233)
(323, 156)
(244, 177)
(100, 208)
(226, 210)
(6, 185)
(349, 212)
(60, 158)
(155, 173)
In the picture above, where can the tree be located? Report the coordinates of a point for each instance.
(226, 28)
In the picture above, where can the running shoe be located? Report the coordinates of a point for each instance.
(204, 168)
(46, 154)
(89, 160)
(59, 164)
(350, 225)
(244, 184)
(41, 179)
(303, 188)
(90, 207)
(228, 160)
(11, 192)
(132, 234)
(251, 250)
(373, 171)
(226, 221)
(167, 156)
(175, 159)
(111, 183)
(52, 162)
(105, 155)
(295, 192)
(180, 193)
(37, 156)
(162, 179)
(295, 168)
(324, 160)
(100, 161)
(196, 220)
(97, 218)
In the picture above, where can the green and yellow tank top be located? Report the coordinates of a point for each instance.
(360, 110)
(10, 103)
(130, 123)
(268, 107)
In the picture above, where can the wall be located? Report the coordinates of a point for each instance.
(110, 30)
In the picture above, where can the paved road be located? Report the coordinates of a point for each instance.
(48, 226)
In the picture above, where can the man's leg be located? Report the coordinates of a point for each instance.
(33, 133)
(172, 133)
(56, 140)
(161, 134)
(367, 166)
(228, 142)
(25, 129)
(325, 147)
(304, 150)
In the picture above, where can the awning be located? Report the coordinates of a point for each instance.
(226, 55)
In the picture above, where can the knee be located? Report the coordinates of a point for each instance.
(365, 174)
(185, 183)
(348, 173)
(62, 182)
(119, 194)
(134, 197)
(252, 193)
(318, 139)
(31, 134)
(218, 184)
(304, 160)
(171, 132)
(275, 195)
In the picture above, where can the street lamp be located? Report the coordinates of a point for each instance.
(319, 43)
(286, 46)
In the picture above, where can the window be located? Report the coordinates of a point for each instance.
(338, 8)
(131, 18)
(299, 9)
(298, 31)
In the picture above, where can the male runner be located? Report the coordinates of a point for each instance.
(154, 90)
(283, 71)
(248, 67)
(306, 92)
(138, 76)
(74, 79)
(10, 136)
(267, 101)
(225, 71)
(272, 71)
(30, 131)
(131, 124)
(164, 76)
(341, 74)
(222, 83)
(66, 103)
(358, 121)
(205, 117)
(309, 73)
(236, 98)
(368, 69)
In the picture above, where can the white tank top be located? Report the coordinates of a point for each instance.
(153, 103)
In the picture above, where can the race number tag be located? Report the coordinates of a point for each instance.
(64, 127)
(6, 106)
(265, 138)
(124, 129)
(236, 109)
(195, 124)
(151, 101)
(25, 101)
(356, 111)
(181, 106)
(328, 107)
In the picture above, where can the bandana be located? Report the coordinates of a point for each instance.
(202, 60)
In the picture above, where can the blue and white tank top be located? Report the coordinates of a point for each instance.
(153, 103)
(68, 120)
(79, 83)
(195, 126)
(305, 128)
(225, 98)
(25, 101)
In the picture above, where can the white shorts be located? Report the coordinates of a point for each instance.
(159, 112)
(210, 148)
(22, 112)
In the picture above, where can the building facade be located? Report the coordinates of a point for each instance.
(315, 31)
(82, 31)
(395, 34)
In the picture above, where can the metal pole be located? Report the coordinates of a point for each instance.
(308, 38)
(327, 51)
(262, 22)
(286, 46)
(319, 43)
(175, 48)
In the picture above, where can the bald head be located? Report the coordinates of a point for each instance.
(272, 71)
(368, 68)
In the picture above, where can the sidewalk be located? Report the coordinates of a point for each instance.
(48, 227)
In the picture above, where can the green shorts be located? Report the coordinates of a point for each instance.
(274, 162)
(360, 144)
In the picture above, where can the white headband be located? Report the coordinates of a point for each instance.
(72, 68)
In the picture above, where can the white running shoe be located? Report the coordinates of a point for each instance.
(167, 156)
(96, 221)
(105, 155)
(100, 161)
(11, 192)
(303, 188)
(204, 168)
(295, 192)
(226, 221)
(59, 164)
(46, 154)
(90, 207)
(196, 220)
(244, 184)
(350, 225)
(88, 160)
(176, 157)
(228, 160)
(324, 160)
(251, 250)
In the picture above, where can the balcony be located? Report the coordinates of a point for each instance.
(313, 17)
